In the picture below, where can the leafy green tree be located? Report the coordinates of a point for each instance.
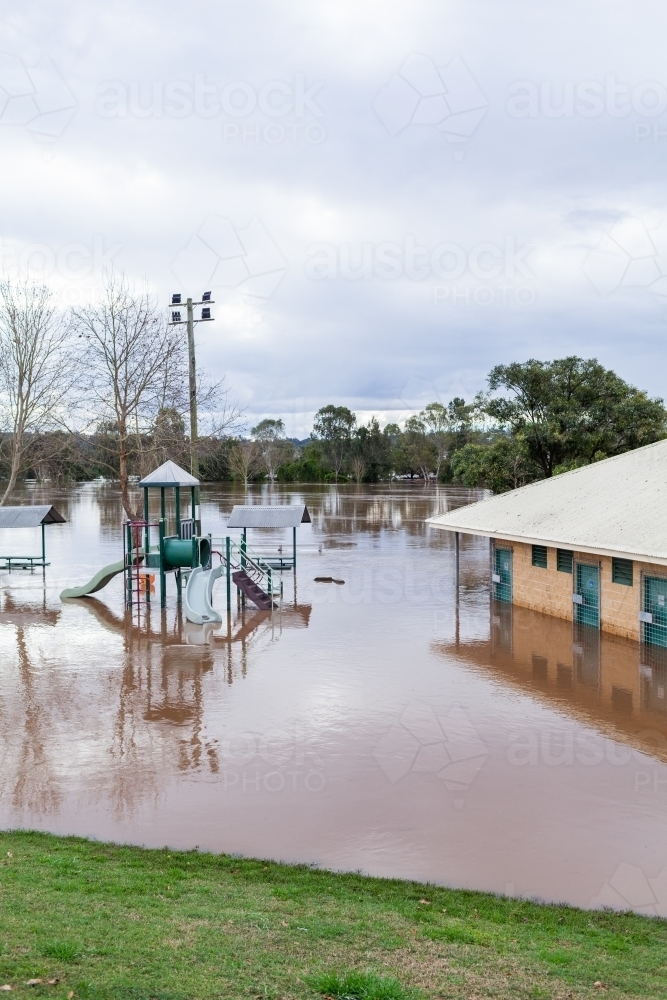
(503, 465)
(414, 453)
(461, 417)
(333, 426)
(371, 452)
(572, 411)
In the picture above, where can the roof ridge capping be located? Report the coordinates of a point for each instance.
(597, 507)
(561, 476)
(169, 474)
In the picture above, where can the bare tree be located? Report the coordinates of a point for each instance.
(245, 459)
(132, 361)
(437, 421)
(358, 468)
(270, 437)
(36, 368)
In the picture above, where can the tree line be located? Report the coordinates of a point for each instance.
(102, 391)
(536, 419)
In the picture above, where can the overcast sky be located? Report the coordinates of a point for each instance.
(386, 199)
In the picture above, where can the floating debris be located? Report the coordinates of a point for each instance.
(328, 579)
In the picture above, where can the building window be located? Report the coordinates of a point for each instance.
(540, 556)
(621, 571)
(563, 560)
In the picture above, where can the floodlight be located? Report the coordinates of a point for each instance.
(206, 314)
(206, 297)
(176, 299)
(176, 317)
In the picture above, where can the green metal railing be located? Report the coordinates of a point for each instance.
(239, 556)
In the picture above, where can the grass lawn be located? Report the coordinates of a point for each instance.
(123, 923)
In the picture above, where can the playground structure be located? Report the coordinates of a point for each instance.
(158, 548)
(31, 516)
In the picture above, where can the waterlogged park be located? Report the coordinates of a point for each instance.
(222, 706)
(375, 714)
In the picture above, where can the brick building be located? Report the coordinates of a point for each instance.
(588, 546)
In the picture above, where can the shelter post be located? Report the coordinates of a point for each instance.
(163, 576)
(457, 550)
(177, 491)
(229, 578)
(294, 546)
(147, 536)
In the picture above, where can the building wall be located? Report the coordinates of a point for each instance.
(550, 592)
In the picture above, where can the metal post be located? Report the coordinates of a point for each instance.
(128, 564)
(147, 539)
(163, 577)
(162, 505)
(457, 550)
(178, 511)
(193, 512)
(43, 547)
(147, 544)
(294, 547)
(192, 374)
(244, 542)
(229, 574)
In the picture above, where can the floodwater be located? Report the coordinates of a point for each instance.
(383, 724)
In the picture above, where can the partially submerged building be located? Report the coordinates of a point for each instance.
(589, 545)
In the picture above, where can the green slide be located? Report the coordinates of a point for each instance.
(100, 580)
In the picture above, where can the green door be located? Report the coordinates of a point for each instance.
(502, 577)
(655, 603)
(587, 612)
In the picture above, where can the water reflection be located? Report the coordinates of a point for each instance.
(613, 683)
(389, 723)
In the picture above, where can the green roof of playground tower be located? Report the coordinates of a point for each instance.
(169, 474)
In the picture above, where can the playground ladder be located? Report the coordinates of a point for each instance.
(254, 592)
(249, 571)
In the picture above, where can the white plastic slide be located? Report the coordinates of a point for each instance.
(198, 594)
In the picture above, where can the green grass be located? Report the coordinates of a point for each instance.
(122, 923)
(360, 986)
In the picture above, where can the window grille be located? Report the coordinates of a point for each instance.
(563, 560)
(540, 556)
(621, 571)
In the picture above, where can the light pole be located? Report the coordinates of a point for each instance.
(189, 322)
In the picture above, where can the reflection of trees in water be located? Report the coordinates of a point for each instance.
(352, 509)
(34, 787)
(369, 510)
(111, 730)
(158, 724)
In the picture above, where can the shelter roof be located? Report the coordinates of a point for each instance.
(169, 474)
(29, 516)
(613, 507)
(271, 516)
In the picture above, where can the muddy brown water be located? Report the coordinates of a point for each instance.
(381, 725)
